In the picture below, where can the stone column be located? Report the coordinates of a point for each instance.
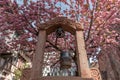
(38, 56)
(82, 61)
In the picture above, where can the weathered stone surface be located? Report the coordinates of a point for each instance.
(63, 78)
(65, 23)
(38, 56)
(95, 73)
(82, 60)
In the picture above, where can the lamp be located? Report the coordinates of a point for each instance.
(65, 60)
(65, 57)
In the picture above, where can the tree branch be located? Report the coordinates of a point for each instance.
(30, 24)
(91, 22)
(54, 46)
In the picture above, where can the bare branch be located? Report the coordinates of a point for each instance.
(54, 46)
(91, 22)
(30, 24)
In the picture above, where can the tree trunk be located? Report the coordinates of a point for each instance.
(109, 63)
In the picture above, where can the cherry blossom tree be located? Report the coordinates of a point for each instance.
(100, 19)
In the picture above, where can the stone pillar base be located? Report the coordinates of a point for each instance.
(26, 76)
(62, 78)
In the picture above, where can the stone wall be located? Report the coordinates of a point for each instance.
(94, 72)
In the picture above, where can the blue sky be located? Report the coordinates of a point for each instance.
(63, 6)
